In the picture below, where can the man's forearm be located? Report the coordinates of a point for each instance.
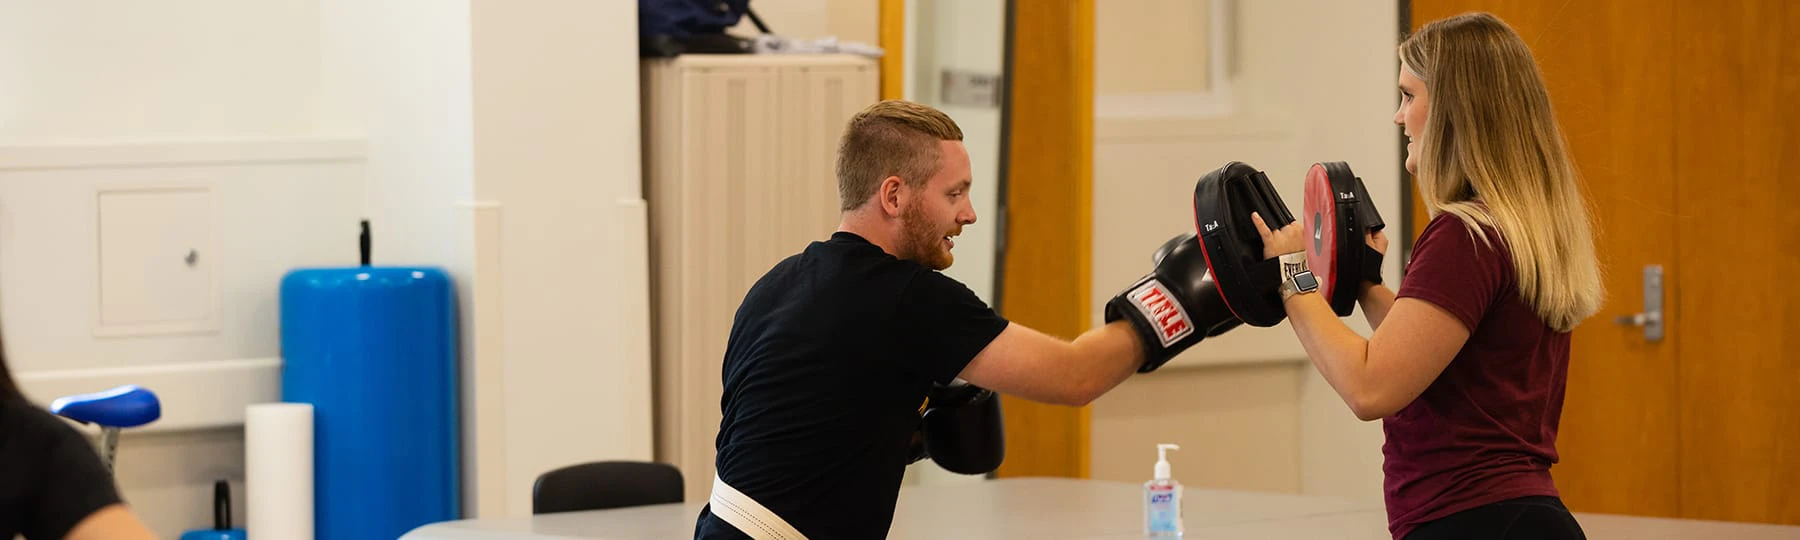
(1108, 355)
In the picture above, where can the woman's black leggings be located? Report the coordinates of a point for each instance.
(1524, 517)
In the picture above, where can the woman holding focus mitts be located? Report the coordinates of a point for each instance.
(1468, 362)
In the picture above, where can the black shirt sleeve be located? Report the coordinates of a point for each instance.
(65, 481)
(944, 325)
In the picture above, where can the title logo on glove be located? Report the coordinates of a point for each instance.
(1161, 309)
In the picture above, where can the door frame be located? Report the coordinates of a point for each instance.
(1043, 249)
(1045, 263)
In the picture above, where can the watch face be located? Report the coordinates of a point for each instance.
(1305, 281)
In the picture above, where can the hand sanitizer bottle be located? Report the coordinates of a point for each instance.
(1162, 498)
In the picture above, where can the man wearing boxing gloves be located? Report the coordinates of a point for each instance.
(834, 349)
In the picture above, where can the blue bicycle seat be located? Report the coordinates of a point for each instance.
(125, 406)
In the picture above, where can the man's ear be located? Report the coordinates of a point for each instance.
(889, 194)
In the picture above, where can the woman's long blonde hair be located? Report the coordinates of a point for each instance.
(1492, 154)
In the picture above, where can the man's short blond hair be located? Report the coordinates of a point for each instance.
(890, 138)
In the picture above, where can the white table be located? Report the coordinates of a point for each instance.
(1077, 509)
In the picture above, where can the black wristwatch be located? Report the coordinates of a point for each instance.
(1296, 278)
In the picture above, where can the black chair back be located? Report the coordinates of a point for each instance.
(605, 484)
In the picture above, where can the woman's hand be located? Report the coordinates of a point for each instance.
(1289, 239)
(1377, 241)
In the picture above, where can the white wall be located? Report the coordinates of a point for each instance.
(970, 36)
(1173, 31)
(1249, 409)
(266, 215)
(1280, 118)
(847, 20)
(94, 69)
(503, 145)
(334, 110)
(1236, 425)
(398, 72)
(557, 152)
(1341, 455)
(204, 93)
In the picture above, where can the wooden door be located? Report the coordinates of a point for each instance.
(1608, 70)
(1737, 113)
(1678, 131)
(1049, 218)
(893, 46)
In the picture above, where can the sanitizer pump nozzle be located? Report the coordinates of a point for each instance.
(1162, 460)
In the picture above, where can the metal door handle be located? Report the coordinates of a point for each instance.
(1639, 319)
(1651, 319)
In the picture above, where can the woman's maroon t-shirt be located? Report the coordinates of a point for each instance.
(1485, 430)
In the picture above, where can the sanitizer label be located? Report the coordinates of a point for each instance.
(1162, 510)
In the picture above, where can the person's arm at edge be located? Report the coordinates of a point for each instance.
(112, 522)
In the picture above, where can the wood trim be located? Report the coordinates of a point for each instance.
(1729, 320)
(1049, 225)
(1082, 86)
(893, 45)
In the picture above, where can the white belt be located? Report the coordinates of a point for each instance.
(749, 516)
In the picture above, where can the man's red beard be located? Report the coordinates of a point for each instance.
(923, 243)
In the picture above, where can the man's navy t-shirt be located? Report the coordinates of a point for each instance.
(829, 358)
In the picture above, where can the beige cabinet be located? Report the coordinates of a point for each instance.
(739, 166)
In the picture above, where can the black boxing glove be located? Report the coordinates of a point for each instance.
(1176, 305)
(963, 428)
(1370, 217)
(1371, 259)
(916, 446)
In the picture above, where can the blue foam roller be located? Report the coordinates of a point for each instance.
(373, 349)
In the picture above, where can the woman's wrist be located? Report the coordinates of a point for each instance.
(1366, 289)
